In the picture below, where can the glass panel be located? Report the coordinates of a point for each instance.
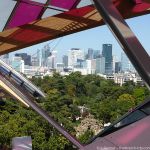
(137, 115)
(24, 13)
(6, 8)
(84, 3)
(81, 11)
(29, 35)
(146, 108)
(50, 12)
(66, 4)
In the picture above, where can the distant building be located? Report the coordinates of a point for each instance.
(52, 60)
(91, 66)
(96, 54)
(18, 64)
(90, 54)
(25, 57)
(100, 65)
(45, 54)
(74, 55)
(60, 67)
(107, 53)
(126, 65)
(117, 67)
(65, 60)
(35, 61)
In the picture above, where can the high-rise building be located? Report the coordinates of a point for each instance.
(96, 54)
(126, 64)
(107, 53)
(90, 53)
(65, 60)
(117, 67)
(45, 54)
(100, 65)
(52, 60)
(91, 66)
(74, 55)
(25, 57)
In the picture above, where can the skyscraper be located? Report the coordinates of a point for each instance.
(117, 67)
(52, 60)
(96, 54)
(74, 55)
(45, 54)
(65, 60)
(107, 53)
(25, 57)
(126, 64)
(90, 53)
(100, 65)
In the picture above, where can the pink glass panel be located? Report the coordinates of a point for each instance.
(66, 4)
(24, 14)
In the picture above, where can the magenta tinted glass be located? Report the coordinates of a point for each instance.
(65, 4)
(24, 14)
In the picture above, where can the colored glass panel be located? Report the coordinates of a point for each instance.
(29, 35)
(24, 14)
(66, 4)
(81, 11)
(6, 7)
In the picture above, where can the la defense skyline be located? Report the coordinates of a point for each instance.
(95, 61)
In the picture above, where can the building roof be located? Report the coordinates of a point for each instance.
(28, 22)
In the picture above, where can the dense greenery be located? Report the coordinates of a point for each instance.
(104, 99)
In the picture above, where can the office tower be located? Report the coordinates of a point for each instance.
(65, 61)
(90, 53)
(73, 55)
(91, 66)
(96, 54)
(114, 60)
(107, 53)
(25, 57)
(45, 54)
(100, 65)
(18, 64)
(117, 67)
(52, 60)
(126, 64)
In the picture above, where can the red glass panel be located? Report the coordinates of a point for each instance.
(29, 35)
(80, 12)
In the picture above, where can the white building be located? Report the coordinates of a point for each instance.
(74, 55)
(100, 65)
(52, 60)
(91, 66)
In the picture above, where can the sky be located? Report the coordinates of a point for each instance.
(95, 37)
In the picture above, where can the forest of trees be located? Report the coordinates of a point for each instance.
(104, 99)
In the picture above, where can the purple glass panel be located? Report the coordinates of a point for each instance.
(66, 4)
(24, 14)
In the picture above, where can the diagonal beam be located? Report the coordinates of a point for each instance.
(126, 38)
